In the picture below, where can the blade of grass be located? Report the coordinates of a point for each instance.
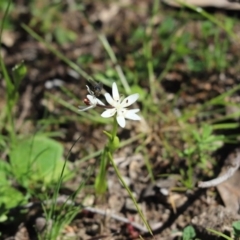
(219, 234)
(225, 126)
(148, 50)
(113, 58)
(9, 85)
(130, 193)
(74, 109)
(56, 52)
(210, 18)
(59, 184)
(219, 100)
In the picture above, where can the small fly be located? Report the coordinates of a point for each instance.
(96, 88)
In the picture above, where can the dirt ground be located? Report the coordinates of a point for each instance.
(114, 215)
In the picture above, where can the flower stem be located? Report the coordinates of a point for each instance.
(115, 126)
(100, 181)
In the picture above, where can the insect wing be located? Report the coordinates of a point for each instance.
(96, 87)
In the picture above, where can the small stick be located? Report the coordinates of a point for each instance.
(63, 199)
(229, 173)
(122, 219)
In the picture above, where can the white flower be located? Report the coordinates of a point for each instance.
(120, 105)
(91, 101)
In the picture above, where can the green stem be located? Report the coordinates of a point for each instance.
(11, 95)
(100, 182)
(11, 123)
(115, 127)
(129, 192)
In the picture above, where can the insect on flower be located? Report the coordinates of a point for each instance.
(91, 99)
(96, 88)
(116, 104)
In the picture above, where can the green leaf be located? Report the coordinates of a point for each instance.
(64, 35)
(109, 135)
(3, 217)
(195, 65)
(236, 228)
(189, 151)
(37, 159)
(141, 91)
(167, 27)
(189, 233)
(139, 33)
(10, 197)
(115, 144)
(4, 170)
(19, 72)
(207, 131)
(196, 136)
(85, 59)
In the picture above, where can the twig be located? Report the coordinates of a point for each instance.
(117, 217)
(229, 173)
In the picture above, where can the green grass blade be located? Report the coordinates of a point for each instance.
(56, 52)
(130, 193)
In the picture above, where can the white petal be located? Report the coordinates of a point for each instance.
(100, 102)
(82, 108)
(109, 99)
(129, 100)
(92, 100)
(121, 121)
(115, 92)
(131, 114)
(108, 113)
